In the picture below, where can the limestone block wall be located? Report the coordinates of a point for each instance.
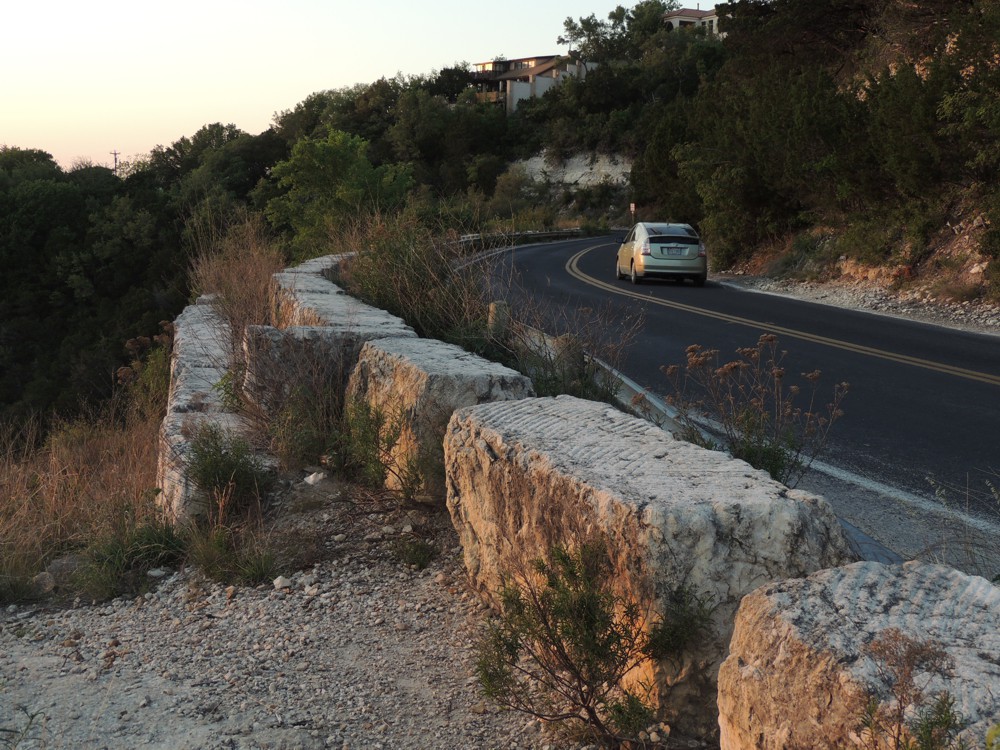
(525, 475)
(420, 383)
(800, 667)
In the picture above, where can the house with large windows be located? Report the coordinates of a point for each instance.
(506, 83)
(687, 18)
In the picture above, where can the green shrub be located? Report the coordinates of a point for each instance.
(416, 553)
(233, 555)
(300, 429)
(118, 563)
(364, 448)
(225, 468)
(901, 662)
(563, 643)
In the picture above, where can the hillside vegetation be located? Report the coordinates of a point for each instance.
(857, 129)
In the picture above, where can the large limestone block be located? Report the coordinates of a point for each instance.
(306, 297)
(198, 362)
(278, 360)
(799, 668)
(525, 475)
(418, 384)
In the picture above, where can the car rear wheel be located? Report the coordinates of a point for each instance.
(618, 270)
(634, 276)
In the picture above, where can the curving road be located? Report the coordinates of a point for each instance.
(924, 400)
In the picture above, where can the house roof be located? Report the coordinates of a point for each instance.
(688, 13)
(535, 70)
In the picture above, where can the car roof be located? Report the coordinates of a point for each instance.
(667, 228)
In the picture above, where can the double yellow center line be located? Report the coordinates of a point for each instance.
(573, 268)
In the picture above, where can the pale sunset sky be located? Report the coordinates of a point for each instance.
(82, 79)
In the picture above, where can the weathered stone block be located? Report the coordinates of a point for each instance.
(525, 475)
(198, 362)
(307, 298)
(799, 668)
(419, 383)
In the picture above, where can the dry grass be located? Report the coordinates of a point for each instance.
(237, 262)
(80, 484)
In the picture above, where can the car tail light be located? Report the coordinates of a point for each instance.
(701, 249)
(645, 248)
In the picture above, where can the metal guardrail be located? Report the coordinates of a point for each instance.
(481, 241)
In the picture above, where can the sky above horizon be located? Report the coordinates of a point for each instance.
(81, 80)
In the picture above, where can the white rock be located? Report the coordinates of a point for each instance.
(799, 670)
(282, 583)
(315, 477)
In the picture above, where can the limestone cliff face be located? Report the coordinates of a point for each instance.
(799, 669)
(526, 475)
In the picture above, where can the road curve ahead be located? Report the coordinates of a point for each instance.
(924, 400)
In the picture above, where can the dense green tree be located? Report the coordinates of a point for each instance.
(328, 180)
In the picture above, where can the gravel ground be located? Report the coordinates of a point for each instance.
(914, 305)
(357, 651)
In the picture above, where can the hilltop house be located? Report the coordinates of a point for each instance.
(685, 17)
(508, 82)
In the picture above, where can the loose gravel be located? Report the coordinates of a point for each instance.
(358, 650)
(920, 305)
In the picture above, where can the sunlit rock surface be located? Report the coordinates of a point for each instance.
(799, 668)
(525, 475)
(416, 385)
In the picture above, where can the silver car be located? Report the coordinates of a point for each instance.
(654, 250)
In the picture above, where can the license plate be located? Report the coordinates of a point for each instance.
(674, 251)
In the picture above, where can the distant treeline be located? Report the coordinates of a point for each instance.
(860, 127)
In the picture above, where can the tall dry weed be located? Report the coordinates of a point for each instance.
(236, 261)
(74, 487)
(85, 479)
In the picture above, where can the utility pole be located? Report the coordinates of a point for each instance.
(115, 154)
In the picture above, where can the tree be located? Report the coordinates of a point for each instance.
(621, 37)
(326, 181)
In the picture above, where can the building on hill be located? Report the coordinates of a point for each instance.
(506, 83)
(687, 18)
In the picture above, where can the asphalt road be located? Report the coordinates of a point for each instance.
(924, 401)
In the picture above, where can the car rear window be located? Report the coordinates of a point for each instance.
(673, 239)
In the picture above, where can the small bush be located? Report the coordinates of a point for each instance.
(563, 643)
(416, 553)
(118, 564)
(364, 448)
(233, 555)
(755, 410)
(903, 667)
(301, 427)
(225, 468)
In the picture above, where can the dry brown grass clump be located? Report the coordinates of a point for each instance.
(82, 483)
(237, 263)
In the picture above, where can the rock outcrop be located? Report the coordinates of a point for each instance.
(526, 475)
(417, 384)
(802, 665)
